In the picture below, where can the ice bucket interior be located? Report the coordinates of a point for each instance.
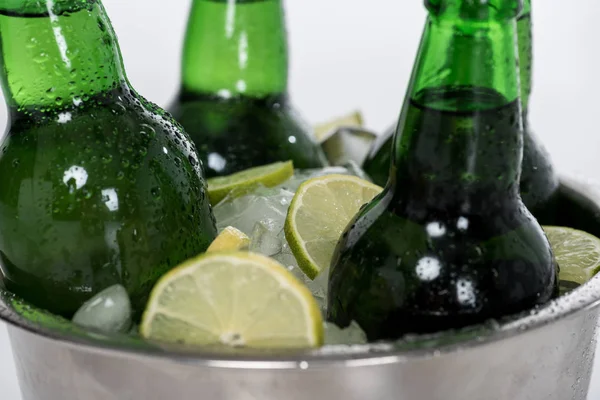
(579, 207)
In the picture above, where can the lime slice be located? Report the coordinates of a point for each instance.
(230, 239)
(577, 253)
(319, 214)
(236, 299)
(322, 131)
(243, 181)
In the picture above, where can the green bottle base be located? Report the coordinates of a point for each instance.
(539, 182)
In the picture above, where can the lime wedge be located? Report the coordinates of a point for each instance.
(237, 299)
(243, 181)
(577, 253)
(319, 214)
(230, 239)
(322, 131)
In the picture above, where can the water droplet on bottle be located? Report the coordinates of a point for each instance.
(50, 93)
(41, 58)
(32, 43)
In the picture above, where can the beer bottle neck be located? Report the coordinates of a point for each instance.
(57, 53)
(236, 48)
(525, 31)
(464, 51)
(461, 129)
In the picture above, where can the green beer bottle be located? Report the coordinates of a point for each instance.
(97, 185)
(233, 99)
(449, 242)
(539, 182)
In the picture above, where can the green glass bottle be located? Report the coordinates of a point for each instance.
(97, 185)
(449, 242)
(233, 99)
(539, 182)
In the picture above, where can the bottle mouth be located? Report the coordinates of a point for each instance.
(42, 8)
(476, 10)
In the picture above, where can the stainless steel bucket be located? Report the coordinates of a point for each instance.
(544, 355)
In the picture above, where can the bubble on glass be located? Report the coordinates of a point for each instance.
(436, 229)
(428, 268)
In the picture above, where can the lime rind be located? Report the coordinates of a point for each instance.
(245, 181)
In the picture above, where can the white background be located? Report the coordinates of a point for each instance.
(358, 54)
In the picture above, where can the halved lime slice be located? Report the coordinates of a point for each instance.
(318, 215)
(577, 253)
(236, 299)
(243, 181)
(230, 239)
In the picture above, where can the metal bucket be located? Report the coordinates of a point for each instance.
(544, 355)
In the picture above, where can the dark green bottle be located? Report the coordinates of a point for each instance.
(539, 182)
(233, 99)
(97, 185)
(449, 242)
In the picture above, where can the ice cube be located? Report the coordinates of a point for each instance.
(261, 214)
(300, 176)
(286, 258)
(351, 335)
(270, 205)
(348, 144)
(264, 241)
(318, 288)
(354, 169)
(108, 311)
(266, 205)
(289, 261)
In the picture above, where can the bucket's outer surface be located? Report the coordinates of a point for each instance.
(550, 363)
(550, 358)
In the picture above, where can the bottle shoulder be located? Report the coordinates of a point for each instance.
(127, 145)
(189, 106)
(239, 133)
(495, 230)
(121, 109)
